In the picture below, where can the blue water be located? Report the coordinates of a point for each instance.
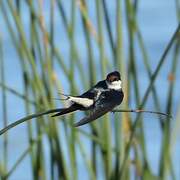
(157, 22)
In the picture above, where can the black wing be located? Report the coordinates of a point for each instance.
(94, 115)
(105, 103)
(91, 94)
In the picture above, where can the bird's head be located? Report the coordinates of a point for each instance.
(113, 80)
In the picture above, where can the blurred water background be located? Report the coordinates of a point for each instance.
(157, 21)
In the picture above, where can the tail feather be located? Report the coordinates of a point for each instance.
(66, 110)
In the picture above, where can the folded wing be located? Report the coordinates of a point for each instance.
(106, 101)
(94, 115)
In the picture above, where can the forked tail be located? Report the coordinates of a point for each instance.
(66, 111)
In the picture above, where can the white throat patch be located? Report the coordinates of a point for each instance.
(116, 85)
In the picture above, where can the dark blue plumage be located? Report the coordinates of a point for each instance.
(100, 99)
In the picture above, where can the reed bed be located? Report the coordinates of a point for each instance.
(46, 37)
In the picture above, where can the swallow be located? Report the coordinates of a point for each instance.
(99, 100)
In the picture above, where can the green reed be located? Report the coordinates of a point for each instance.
(41, 59)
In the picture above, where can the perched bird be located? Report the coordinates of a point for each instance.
(100, 99)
